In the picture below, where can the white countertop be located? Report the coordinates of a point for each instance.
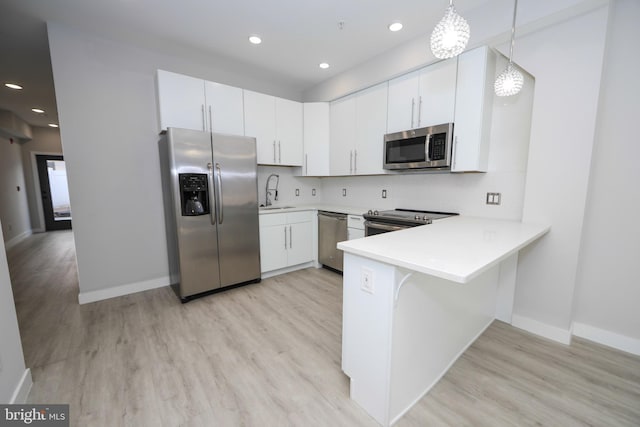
(456, 248)
(349, 210)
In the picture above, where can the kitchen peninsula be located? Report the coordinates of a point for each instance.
(415, 299)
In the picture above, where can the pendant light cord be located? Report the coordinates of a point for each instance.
(513, 32)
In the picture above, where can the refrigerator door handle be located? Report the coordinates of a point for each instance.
(212, 205)
(219, 193)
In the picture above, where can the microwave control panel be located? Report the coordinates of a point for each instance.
(438, 147)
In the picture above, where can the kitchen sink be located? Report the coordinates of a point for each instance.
(271, 208)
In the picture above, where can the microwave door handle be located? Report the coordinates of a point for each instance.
(428, 147)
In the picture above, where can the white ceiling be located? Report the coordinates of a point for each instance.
(297, 35)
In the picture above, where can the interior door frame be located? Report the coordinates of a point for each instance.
(36, 186)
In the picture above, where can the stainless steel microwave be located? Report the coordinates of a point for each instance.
(424, 148)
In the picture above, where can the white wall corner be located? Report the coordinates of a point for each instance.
(21, 393)
(544, 330)
(17, 239)
(118, 291)
(608, 338)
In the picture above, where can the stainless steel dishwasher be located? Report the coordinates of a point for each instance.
(332, 228)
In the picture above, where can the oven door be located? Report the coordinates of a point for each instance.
(371, 228)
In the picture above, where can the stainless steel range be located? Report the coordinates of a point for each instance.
(378, 222)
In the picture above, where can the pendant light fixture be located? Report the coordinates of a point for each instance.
(451, 35)
(510, 81)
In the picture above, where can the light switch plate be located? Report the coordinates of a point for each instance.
(493, 198)
(344, 192)
(384, 194)
(313, 191)
(297, 192)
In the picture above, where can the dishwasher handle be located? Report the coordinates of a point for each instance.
(334, 215)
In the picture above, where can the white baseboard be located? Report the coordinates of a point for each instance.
(118, 291)
(608, 338)
(21, 393)
(19, 238)
(544, 330)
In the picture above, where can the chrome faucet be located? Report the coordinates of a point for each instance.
(267, 201)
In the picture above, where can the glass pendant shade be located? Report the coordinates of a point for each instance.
(451, 35)
(509, 82)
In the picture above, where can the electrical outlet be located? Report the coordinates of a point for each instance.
(384, 194)
(313, 192)
(297, 192)
(493, 198)
(344, 192)
(366, 281)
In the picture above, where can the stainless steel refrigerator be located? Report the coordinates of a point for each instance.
(211, 210)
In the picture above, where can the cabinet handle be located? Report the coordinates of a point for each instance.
(306, 164)
(419, 110)
(279, 153)
(350, 161)
(455, 149)
(355, 161)
(204, 124)
(285, 237)
(210, 120)
(274, 151)
(290, 237)
(413, 106)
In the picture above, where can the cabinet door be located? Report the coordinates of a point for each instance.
(437, 93)
(473, 109)
(225, 112)
(260, 122)
(289, 132)
(403, 96)
(300, 237)
(371, 113)
(273, 247)
(180, 101)
(343, 135)
(316, 139)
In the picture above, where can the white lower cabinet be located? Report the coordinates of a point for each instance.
(355, 227)
(286, 239)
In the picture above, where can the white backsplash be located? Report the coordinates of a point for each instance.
(287, 186)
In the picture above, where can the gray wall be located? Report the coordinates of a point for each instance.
(106, 100)
(12, 366)
(607, 292)
(14, 210)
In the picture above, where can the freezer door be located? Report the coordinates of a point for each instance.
(190, 153)
(235, 178)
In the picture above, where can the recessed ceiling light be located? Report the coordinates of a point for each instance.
(13, 86)
(324, 65)
(396, 26)
(38, 110)
(53, 125)
(255, 39)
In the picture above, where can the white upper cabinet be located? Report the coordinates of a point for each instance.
(224, 112)
(358, 125)
(437, 93)
(316, 139)
(422, 98)
(289, 118)
(191, 103)
(371, 125)
(343, 135)
(181, 101)
(276, 124)
(403, 93)
(473, 110)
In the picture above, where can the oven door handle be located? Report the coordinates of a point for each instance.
(384, 226)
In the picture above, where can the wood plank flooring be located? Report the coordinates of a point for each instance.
(269, 355)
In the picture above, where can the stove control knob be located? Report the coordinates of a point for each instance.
(417, 217)
(369, 212)
(425, 217)
(375, 213)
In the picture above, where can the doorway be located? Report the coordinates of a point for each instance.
(54, 192)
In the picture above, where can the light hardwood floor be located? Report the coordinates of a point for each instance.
(269, 355)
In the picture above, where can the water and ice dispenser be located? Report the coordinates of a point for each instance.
(194, 194)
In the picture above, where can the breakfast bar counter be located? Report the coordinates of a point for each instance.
(414, 300)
